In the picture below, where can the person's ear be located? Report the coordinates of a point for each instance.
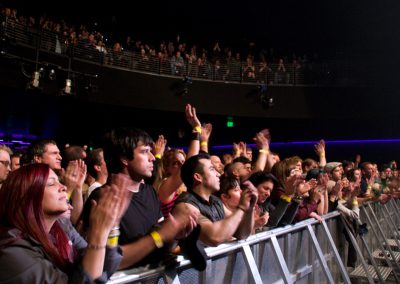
(197, 177)
(37, 159)
(97, 168)
(124, 161)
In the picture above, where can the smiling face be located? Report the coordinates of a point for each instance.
(54, 201)
(264, 191)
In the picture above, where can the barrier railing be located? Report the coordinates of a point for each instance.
(229, 70)
(307, 252)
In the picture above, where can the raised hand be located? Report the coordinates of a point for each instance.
(75, 175)
(123, 184)
(206, 130)
(159, 146)
(249, 196)
(320, 148)
(191, 116)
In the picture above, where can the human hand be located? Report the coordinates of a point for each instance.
(320, 148)
(249, 196)
(159, 146)
(75, 175)
(191, 116)
(206, 130)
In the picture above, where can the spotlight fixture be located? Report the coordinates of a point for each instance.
(52, 74)
(35, 79)
(68, 86)
(266, 101)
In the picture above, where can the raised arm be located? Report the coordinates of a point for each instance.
(192, 119)
(320, 151)
(206, 130)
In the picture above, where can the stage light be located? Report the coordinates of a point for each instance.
(35, 79)
(68, 86)
(52, 74)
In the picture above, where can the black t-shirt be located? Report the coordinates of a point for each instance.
(213, 209)
(141, 217)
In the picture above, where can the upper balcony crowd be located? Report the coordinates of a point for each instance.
(176, 57)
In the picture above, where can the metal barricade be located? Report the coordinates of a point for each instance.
(307, 252)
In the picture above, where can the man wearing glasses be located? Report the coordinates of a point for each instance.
(5, 162)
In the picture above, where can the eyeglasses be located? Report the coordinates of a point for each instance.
(6, 163)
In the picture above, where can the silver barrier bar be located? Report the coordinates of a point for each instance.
(339, 261)
(320, 255)
(384, 240)
(379, 242)
(358, 250)
(282, 263)
(251, 265)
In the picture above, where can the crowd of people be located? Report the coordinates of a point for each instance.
(80, 216)
(250, 63)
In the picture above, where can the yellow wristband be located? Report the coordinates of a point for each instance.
(69, 195)
(112, 241)
(322, 154)
(203, 143)
(286, 198)
(158, 156)
(197, 129)
(263, 151)
(157, 239)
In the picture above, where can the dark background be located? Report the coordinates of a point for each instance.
(363, 33)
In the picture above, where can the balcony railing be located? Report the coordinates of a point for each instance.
(231, 70)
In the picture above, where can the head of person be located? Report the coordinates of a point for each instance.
(217, 163)
(96, 165)
(46, 151)
(296, 162)
(5, 162)
(227, 158)
(32, 199)
(334, 170)
(198, 171)
(309, 164)
(354, 175)
(249, 153)
(230, 192)
(347, 165)
(367, 169)
(73, 153)
(172, 161)
(387, 171)
(128, 150)
(16, 161)
(240, 168)
(281, 171)
(264, 182)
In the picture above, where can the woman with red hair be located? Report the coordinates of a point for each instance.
(33, 246)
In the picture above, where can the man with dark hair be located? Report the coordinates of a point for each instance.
(202, 180)
(143, 234)
(46, 151)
